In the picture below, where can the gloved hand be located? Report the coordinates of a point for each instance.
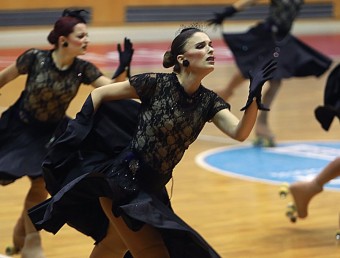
(219, 17)
(125, 58)
(325, 116)
(258, 77)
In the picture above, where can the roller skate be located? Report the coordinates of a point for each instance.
(337, 235)
(291, 213)
(12, 250)
(302, 193)
(261, 141)
(18, 238)
(264, 137)
(32, 246)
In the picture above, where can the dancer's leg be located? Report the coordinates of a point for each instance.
(19, 233)
(112, 246)
(303, 192)
(32, 246)
(146, 242)
(331, 171)
(262, 129)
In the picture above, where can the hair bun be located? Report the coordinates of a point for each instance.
(52, 38)
(168, 59)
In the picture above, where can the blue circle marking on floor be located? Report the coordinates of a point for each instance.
(287, 162)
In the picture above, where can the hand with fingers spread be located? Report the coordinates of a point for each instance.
(258, 77)
(219, 17)
(125, 57)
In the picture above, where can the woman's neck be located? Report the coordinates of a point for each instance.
(189, 82)
(61, 60)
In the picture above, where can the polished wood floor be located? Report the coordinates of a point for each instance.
(239, 218)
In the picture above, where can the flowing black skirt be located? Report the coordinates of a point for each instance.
(23, 145)
(89, 160)
(294, 57)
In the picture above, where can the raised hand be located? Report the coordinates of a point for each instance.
(258, 77)
(219, 17)
(325, 116)
(125, 57)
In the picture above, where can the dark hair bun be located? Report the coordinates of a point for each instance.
(52, 37)
(168, 60)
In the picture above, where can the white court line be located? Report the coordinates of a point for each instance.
(199, 160)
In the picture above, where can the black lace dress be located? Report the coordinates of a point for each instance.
(272, 38)
(27, 126)
(134, 177)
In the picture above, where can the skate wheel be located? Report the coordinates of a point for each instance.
(257, 142)
(284, 190)
(264, 142)
(291, 212)
(11, 250)
(269, 142)
(337, 236)
(291, 207)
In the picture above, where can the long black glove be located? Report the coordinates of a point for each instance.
(219, 17)
(125, 58)
(258, 77)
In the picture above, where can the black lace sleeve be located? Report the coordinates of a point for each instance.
(25, 60)
(218, 104)
(90, 72)
(145, 85)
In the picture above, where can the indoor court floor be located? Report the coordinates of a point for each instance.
(240, 216)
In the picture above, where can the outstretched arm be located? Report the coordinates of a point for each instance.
(8, 74)
(240, 129)
(230, 11)
(237, 129)
(241, 4)
(114, 91)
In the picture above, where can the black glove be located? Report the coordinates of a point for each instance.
(258, 77)
(219, 17)
(125, 58)
(325, 116)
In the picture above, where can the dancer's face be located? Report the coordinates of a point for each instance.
(78, 40)
(199, 52)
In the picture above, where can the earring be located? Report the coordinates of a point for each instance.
(186, 63)
(65, 44)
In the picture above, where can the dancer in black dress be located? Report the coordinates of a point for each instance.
(119, 198)
(303, 192)
(270, 37)
(53, 79)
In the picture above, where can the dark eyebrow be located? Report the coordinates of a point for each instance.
(203, 42)
(82, 34)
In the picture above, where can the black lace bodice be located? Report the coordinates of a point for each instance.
(170, 119)
(282, 13)
(49, 91)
